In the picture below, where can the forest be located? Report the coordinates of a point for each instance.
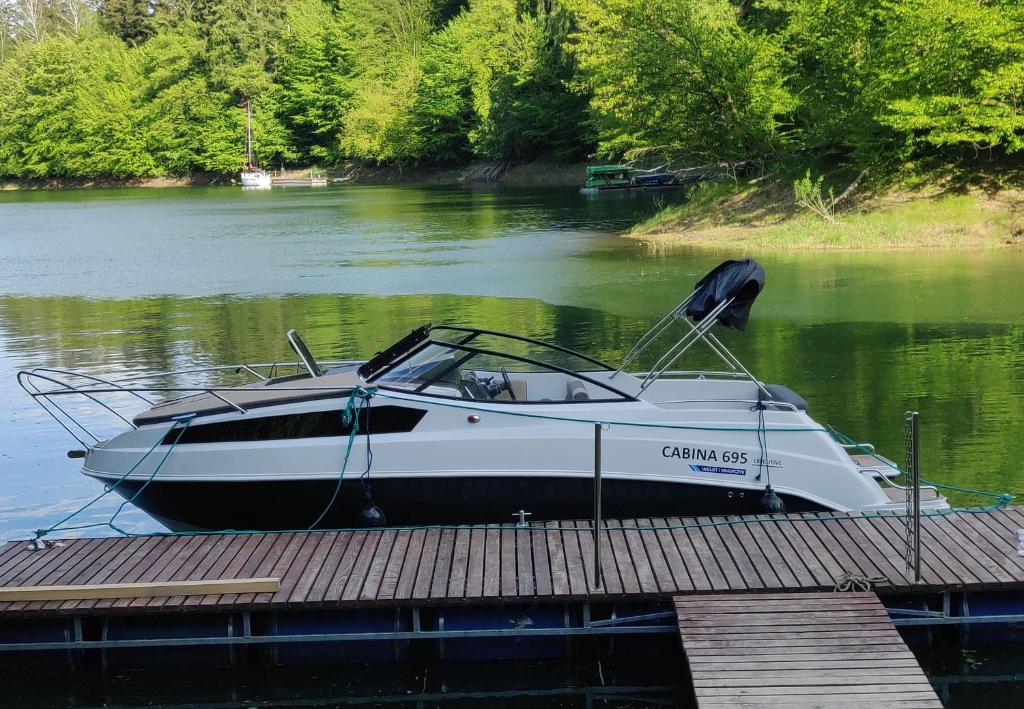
(135, 88)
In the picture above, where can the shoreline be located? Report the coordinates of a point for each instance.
(535, 173)
(766, 218)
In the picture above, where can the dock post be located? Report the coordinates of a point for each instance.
(597, 505)
(914, 494)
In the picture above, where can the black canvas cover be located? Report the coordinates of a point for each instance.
(741, 280)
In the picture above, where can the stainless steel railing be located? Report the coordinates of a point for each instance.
(46, 385)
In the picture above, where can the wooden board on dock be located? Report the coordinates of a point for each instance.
(642, 559)
(146, 589)
(798, 650)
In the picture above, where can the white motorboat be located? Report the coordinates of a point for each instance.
(465, 425)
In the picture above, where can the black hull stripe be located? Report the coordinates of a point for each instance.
(276, 505)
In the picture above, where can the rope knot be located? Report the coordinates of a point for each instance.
(360, 395)
(852, 581)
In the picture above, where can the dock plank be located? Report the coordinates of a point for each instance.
(425, 570)
(560, 587)
(410, 566)
(541, 565)
(475, 564)
(524, 563)
(393, 570)
(459, 566)
(578, 549)
(443, 565)
(378, 565)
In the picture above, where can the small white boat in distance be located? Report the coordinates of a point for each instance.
(253, 176)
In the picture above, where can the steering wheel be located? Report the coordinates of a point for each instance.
(508, 384)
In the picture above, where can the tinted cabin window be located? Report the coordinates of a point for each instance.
(315, 424)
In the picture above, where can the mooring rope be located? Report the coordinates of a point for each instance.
(356, 403)
(852, 581)
(107, 489)
(1001, 497)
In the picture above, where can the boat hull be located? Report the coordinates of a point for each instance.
(256, 179)
(423, 500)
(435, 461)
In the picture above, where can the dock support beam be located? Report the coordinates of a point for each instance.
(597, 505)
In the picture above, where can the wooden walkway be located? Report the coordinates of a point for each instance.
(798, 650)
(545, 562)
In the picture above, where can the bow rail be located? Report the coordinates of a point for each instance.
(47, 385)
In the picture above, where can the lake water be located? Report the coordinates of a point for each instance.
(109, 281)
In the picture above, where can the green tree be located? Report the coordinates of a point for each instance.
(496, 82)
(37, 100)
(131, 20)
(883, 79)
(110, 136)
(312, 71)
(955, 74)
(681, 77)
(383, 42)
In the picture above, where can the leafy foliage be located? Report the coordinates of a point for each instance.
(880, 78)
(681, 76)
(810, 195)
(122, 88)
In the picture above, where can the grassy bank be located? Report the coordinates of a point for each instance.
(765, 216)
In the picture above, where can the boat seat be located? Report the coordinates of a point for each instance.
(519, 388)
(575, 390)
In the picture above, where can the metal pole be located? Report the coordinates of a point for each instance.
(597, 505)
(916, 472)
(913, 496)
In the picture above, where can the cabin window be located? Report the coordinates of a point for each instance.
(313, 424)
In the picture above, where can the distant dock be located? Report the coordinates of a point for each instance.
(298, 178)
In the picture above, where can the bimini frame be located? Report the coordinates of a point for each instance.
(701, 331)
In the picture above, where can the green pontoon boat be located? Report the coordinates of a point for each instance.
(620, 177)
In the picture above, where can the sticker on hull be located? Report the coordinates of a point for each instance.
(717, 469)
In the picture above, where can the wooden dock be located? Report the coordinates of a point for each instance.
(543, 562)
(798, 650)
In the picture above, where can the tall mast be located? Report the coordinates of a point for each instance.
(250, 155)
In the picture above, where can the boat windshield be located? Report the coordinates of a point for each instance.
(464, 369)
(543, 353)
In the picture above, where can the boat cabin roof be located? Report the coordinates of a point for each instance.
(270, 392)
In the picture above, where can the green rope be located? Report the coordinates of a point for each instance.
(107, 489)
(350, 417)
(1003, 498)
